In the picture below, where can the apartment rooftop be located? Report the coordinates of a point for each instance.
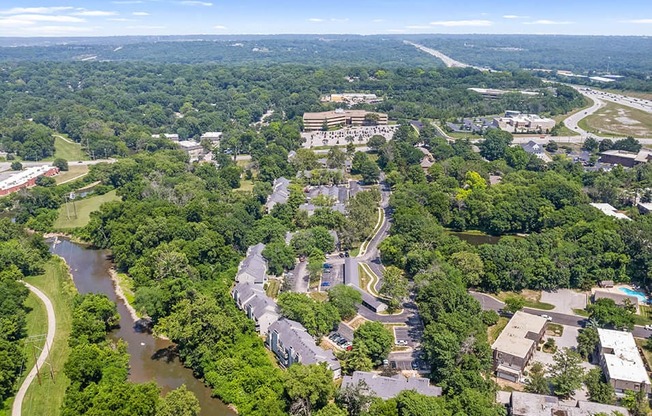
(294, 336)
(609, 210)
(516, 337)
(529, 404)
(388, 387)
(621, 356)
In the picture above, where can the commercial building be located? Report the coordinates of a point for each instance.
(342, 118)
(515, 345)
(621, 362)
(259, 307)
(351, 98)
(253, 269)
(291, 343)
(528, 404)
(389, 387)
(626, 159)
(609, 210)
(515, 122)
(212, 136)
(280, 193)
(25, 178)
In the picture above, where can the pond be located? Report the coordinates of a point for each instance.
(150, 358)
(475, 238)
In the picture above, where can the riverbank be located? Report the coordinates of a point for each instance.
(120, 292)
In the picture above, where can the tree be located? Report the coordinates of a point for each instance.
(335, 158)
(16, 165)
(346, 299)
(607, 314)
(370, 172)
(395, 287)
(355, 398)
(279, 257)
(178, 402)
(46, 181)
(331, 409)
(60, 163)
(319, 318)
(514, 303)
(471, 266)
(567, 373)
(356, 360)
(552, 146)
(590, 144)
(587, 340)
(605, 144)
(598, 388)
(629, 144)
(375, 339)
(636, 402)
(376, 142)
(537, 382)
(495, 143)
(309, 387)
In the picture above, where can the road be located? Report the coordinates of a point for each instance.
(633, 102)
(572, 121)
(52, 326)
(447, 60)
(488, 302)
(7, 165)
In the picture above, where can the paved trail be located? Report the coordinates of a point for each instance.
(17, 408)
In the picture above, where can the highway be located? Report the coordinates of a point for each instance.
(633, 102)
(447, 60)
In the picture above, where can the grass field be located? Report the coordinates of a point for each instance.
(495, 330)
(618, 120)
(84, 207)
(530, 297)
(67, 149)
(73, 172)
(46, 398)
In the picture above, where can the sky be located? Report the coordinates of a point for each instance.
(188, 17)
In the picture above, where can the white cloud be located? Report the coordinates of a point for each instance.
(140, 14)
(196, 3)
(48, 18)
(639, 21)
(120, 19)
(12, 22)
(378, 20)
(58, 30)
(418, 27)
(515, 16)
(346, 19)
(396, 30)
(127, 2)
(315, 19)
(461, 23)
(37, 10)
(95, 13)
(547, 22)
(220, 27)
(146, 27)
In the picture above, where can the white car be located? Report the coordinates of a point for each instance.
(648, 327)
(547, 318)
(401, 342)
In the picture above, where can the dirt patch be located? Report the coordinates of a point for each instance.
(356, 322)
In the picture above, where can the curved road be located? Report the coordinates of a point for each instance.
(17, 408)
(573, 119)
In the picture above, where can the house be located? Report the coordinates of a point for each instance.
(291, 343)
(529, 404)
(644, 207)
(624, 158)
(389, 387)
(428, 160)
(253, 269)
(515, 345)
(607, 283)
(342, 118)
(280, 193)
(620, 299)
(536, 149)
(609, 210)
(352, 278)
(621, 362)
(16, 181)
(259, 307)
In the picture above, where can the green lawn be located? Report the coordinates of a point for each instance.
(83, 207)
(67, 149)
(495, 330)
(73, 172)
(618, 120)
(530, 297)
(273, 286)
(45, 399)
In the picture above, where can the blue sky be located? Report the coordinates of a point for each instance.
(183, 17)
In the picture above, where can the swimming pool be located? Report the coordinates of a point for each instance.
(642, 297)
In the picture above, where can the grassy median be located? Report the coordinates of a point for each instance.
(83, 208)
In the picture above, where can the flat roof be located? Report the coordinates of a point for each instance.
(21, 177)
(609, 210)
(513, 338)
(625, 362)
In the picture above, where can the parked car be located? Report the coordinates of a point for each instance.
(401, 342)
(325, 284)
(328, 266)
(547, 318)
(648, 327)
(415, 365)
(385, 362)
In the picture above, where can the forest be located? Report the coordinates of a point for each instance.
(114, 108)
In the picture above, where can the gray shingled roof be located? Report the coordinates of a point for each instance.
(280, 193)
(293, 335)
(388, 387)
(253, 268)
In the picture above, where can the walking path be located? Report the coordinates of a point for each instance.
(17, 408)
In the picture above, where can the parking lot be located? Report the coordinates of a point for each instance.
(338, 340)
(331, 277)
(401, 333)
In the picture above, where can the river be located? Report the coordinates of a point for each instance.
(148, 356)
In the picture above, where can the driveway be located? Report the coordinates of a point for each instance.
(565, 300)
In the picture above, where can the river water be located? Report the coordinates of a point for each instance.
(149, 359)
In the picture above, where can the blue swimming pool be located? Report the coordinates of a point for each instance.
(642, 297)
